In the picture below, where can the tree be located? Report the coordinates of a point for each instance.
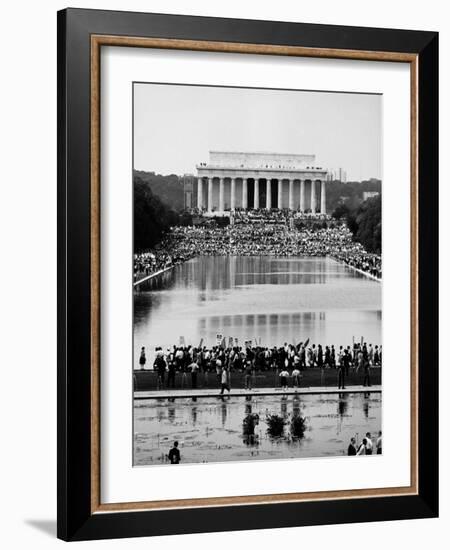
(364, 221)
(169, 188)
(151, 217)
(368, 221)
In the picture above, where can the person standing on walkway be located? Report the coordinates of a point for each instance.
(341, 375)
(142, 359)
(376, 357)
(346, 360)
(160, 366)
(248, 375)
(351, 451)
(302, 354)
(366, 373)
(296, 378)
(179, 355)
(362, 448)
(174, 454)
(369, 444)
(379, 443)
(218, 367)
(194, 370)
(284, 379)
(224, 381)
(340, 356)
(320, 356)
(171, 373)
(359, 360)
(370, 354)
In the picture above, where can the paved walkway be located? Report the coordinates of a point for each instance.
(369, 275)
(152, 275)
(172, 394)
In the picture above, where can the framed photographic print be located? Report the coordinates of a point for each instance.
(247, 274)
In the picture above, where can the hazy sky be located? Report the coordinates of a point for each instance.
(175, 126)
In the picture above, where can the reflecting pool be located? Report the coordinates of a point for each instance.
(215, 430)
(270, 299)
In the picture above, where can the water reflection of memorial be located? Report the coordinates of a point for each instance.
(266, 298)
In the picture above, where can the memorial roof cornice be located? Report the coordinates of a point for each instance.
(234, 171)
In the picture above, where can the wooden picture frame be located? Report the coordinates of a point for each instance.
(81, 35)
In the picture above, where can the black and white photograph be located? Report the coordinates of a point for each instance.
(257, 274)
(230, 334)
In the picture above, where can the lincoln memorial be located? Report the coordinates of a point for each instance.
(261, 180)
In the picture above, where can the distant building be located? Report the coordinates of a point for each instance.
(337, 174)
(370, 194)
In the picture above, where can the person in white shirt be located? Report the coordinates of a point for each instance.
(224, 381)
(362, 448)
(284, 374)
(369, 445)
(370, 354)
(296, 377)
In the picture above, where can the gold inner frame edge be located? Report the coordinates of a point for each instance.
(97, 41)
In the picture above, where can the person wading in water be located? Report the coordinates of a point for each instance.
(174, 454)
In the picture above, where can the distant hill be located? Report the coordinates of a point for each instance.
(169, 189)
(351, 192)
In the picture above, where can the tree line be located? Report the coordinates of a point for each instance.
(152, 217)
(350, 192)
(363, 220)
(169, 189)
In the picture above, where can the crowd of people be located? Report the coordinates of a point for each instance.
(260, 215)
(368, 263)
(289, 360)
(253, 235)
(150, 262)
(308, 215)
(366, 447)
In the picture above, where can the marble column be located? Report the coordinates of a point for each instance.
(323, 198)
(200, 193)
(302, 195)
(210, 194)
(291, 194)
(233, 193)
(313, 196)
(268, 194)
(221, 195)
(280, 194)
(256, 194)
(244, 194)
